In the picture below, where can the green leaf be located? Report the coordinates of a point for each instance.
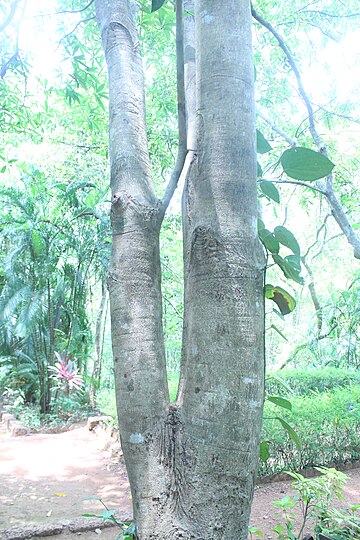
(290, 266)
(268, 239)
(259, 170)
(285, 302)
(279, 314)
(280, 381)
(280, 402)
(264, 451)
(286, 238)
(291, 432)
(279, 332)
(260, 224)
(305, 164)
(270, 190)
(108, 514)
(3, 169)
(156, 4)
(263, 146)
(38, 243)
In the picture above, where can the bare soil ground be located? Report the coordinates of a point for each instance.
(47, 478)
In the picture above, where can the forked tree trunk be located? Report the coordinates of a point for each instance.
(191, 464)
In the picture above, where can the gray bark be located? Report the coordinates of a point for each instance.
(222, 393)
(191, 464)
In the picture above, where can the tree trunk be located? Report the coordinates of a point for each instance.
(99, 342)
(192, 464)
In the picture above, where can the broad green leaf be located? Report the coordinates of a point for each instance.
(157, 4)
(268, 239)
(264, 452)
(294, 260)
(3, 169)
(290, 266)
(270, 190)
(260, 224)
(280, 402)
(286, 238)
(285, 302)
(259, 170)
(291, 432)
(263, 146)
(355, 226)
(305, 164)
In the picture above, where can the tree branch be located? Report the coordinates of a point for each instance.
(293, 66)
(323, 225)
(298, 183)
(182, 133)
(336, 208)
(276, 128)
(66, 11)
(326, 14)
(76, 10)
(11, 15)
(6, 64)
(314, 297)
(75, 28)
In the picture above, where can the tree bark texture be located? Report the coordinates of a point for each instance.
(191, 464)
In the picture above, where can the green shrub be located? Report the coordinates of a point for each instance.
(327, 423)
(312, 502)
(106, 402)
(306, 381)
(173, 382)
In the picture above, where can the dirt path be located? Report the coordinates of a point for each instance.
(46, 478)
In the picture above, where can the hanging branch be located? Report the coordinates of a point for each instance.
(182, 134)
(276, 128)
(11, 15)
(314, 298)
(66, 11)
(336, 208)
(298, 183)
(75, 28)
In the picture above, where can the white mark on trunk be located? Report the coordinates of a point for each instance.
(254, 223)
(254, 404)
(136, 438)
(206, 17)
(248, 380)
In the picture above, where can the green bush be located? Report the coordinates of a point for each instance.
(106, 402)
(327, 423)
(305, 381)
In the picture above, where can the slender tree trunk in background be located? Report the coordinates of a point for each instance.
(191, 464)
(99, 342)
